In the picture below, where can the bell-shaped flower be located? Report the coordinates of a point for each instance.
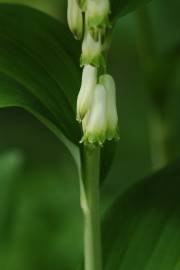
(111, 107)
(95, 122)
(98, 13)
(75, 19)
(92, 51)
(84, 100)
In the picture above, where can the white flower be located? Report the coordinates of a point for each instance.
(75, 19)
(84, 100)
(95, 122)
(92, 51)
(111, 107)
(98, 13)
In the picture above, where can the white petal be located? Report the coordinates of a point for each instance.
(112, 116)
(75, 19)
(84, 100)
(96, 123)
(91, 46)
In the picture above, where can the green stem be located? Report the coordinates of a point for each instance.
(158, 139)
(91, 209)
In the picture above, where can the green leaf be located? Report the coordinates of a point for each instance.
(42, 222)
(39, 67)
(142, 229)
(122, 7)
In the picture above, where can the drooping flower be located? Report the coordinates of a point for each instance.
(98, 13)
(95, 122)
(111, 106)
(84, 100)
(75, 19)
(92, 51)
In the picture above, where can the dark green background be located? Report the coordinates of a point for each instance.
(40, 214)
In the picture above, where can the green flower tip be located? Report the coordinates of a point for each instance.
(82, 4)
(94, 60)
(92, 51)
(93, 139)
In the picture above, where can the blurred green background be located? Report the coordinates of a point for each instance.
(40, 217)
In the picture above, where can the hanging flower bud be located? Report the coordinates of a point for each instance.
(84, 100)
(92, 51)
(98, 13)
(95, 123)
(82, 4)
(111, 109)
(75, 19)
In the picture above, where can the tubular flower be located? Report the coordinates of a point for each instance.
(98, 13)
(84, 100)
(92, 51)
(75, 19)
(111, 107)
(95, 123)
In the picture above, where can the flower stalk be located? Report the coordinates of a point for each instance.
(96, 111)
(91, 210)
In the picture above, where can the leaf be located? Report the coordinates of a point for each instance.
(122, 7)
(42, 223)
(142, 229)
(54, 7)
(39, 67)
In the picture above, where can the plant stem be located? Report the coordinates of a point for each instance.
(91, 209)
(158, 138)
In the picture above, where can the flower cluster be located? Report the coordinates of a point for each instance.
(96, 102)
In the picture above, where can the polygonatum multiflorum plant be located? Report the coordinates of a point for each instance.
(96, 108)
(63, 80)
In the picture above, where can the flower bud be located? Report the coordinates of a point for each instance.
(82, 4)
(75, 19)
(92, 51)
(84, 100)
(98, 13)
(95, 123)
(111, 108)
